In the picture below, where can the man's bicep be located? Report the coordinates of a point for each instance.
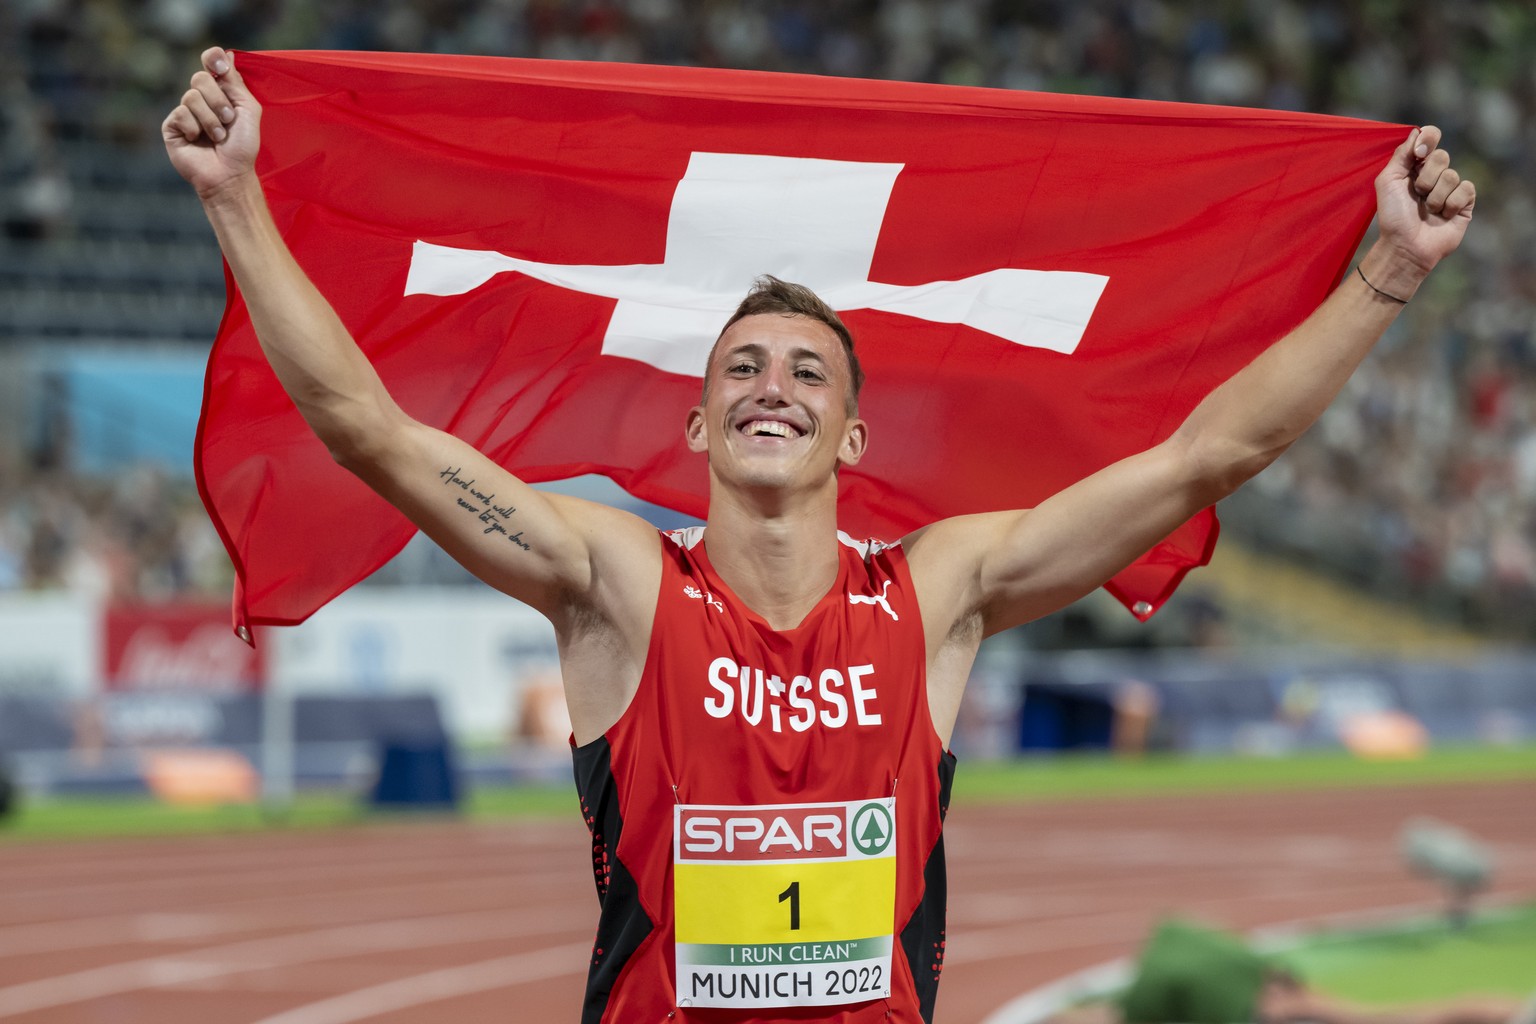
(1043, 559)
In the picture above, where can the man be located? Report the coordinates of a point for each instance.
(762, 717)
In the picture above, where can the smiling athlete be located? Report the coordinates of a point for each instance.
(761, 707)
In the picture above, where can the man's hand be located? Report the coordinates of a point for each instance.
(1423, 207)
(213, 136)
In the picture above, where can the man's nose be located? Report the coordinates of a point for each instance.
(773, 385)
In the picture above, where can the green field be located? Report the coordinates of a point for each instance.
(1494, 954)
(1075, 777)
(1421, 960)
(1078, 777)
(103, 817)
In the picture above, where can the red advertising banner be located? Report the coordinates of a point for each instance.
(176, 647)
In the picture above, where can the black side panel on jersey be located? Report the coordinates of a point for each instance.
(622, 924)
(923, 936)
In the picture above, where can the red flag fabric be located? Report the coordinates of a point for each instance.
(536, 256)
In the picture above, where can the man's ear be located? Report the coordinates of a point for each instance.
(855, 441)
(693, 430)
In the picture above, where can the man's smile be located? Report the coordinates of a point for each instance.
(761, 427)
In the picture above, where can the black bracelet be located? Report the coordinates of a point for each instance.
(1378, 291)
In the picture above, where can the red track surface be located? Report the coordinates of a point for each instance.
(482, 923)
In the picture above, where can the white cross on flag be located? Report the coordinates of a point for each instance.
(815, 222)
(537, 255)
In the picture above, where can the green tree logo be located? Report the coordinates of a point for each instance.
(872, 829)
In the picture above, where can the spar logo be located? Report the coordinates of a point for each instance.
(872, 829)
(857, 830)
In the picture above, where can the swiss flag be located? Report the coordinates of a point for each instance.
(536, 255)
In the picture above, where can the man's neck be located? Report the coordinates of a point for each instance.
(781, 563)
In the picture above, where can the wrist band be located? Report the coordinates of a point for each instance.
(1378, 291)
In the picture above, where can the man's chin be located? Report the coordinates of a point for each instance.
(762, 478)
(760, 474)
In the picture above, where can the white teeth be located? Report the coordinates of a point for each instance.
(759, 428)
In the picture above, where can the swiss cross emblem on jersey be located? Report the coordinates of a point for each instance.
(735, 216)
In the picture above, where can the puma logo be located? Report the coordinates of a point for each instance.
(705, 596)
(880, 600)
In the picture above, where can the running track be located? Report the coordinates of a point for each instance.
(418, 923)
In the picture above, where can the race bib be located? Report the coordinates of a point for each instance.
(784, 904)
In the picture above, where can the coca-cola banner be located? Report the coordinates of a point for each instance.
(177, 647)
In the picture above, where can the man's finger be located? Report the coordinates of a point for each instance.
(216, 60)
(1444, 186)
(1428, 141)
(1461, 200)
(180, 122)
(214, 96)
(234, 83)
(1403, 160)
(1430, 172)
(208, 122)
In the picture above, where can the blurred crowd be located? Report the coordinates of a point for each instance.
(138, 535)
(1420, 481)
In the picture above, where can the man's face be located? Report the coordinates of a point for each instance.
(775, 412)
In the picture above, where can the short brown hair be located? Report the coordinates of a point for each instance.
(771, 295)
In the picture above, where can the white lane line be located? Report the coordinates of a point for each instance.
(129, 861)
(1083, 931)
(1129, 926)
(435, 986)
(1087, 854)
(273, 873)
(118, 930)
(283, 951)
(1109, 848)
(1039, 1003)
(225, 917)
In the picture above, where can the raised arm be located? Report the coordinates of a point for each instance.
(980, 574)
(561, 555)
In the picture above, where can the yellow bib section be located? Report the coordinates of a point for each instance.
(740, 903)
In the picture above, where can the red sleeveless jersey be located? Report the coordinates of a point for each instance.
(766, 814)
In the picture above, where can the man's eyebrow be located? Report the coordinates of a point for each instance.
(746, 348)
(758, 350)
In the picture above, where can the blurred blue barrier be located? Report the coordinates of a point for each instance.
(416, 775)
(1273, 703)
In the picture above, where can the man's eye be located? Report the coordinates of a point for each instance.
(807, 374)
(742, 368)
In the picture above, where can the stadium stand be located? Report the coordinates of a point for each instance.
(1418, 484)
